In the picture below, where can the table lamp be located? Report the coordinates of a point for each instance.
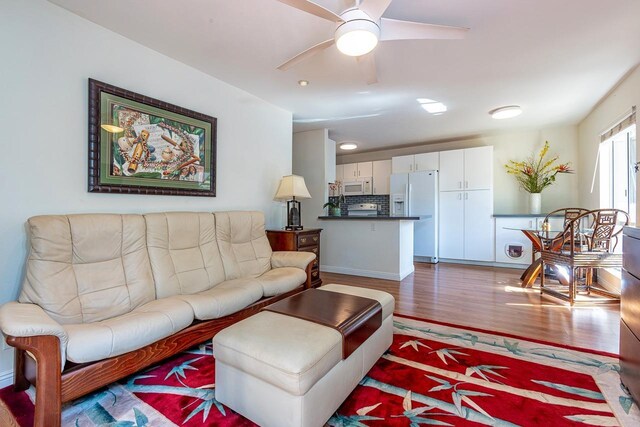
(292, 186)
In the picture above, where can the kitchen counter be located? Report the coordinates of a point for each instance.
(369, 246)
(371, 218)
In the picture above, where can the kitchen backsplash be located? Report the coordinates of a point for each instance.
(381, 200)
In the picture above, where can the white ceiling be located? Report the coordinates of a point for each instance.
(554, 58)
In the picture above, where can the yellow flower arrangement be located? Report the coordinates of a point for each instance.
(535, 173)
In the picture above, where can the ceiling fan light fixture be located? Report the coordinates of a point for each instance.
(434, 107)
(506, 112)
(357, 37)
(348, 146)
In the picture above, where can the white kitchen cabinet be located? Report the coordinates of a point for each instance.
(478, 168)
(451, 229)
(512, 246)
(402, 164)
(479, 230)
(451, 170)
(466, 225)
(426, 162)
(355, 171)
(365, 169)
(415, 163)
(381, 174)
(350, 172)
(340, 173)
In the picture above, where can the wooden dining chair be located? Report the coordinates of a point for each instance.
(587, 242)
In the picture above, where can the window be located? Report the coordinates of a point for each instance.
(617, 168)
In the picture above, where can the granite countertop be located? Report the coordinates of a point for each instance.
(372, 218)
(523, 215)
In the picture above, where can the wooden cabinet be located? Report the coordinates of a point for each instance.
(630, 312)
(381, 176)
(415, 163)
(299, 241)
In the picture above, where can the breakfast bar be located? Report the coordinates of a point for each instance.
(382, 247)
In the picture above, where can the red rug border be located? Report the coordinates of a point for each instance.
(506, 334)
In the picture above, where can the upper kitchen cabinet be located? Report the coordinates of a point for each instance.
(340, 173)
(451, 170)
(355, 171)
(415, 163)
(426, 162)
(478, 168)
(468, 169)
(381, 175)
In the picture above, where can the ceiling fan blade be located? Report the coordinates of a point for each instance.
(306, 54)
(374, 8)
(393, 29)
(313, 8)
(367, 65)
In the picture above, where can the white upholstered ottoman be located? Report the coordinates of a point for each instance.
(279, 370)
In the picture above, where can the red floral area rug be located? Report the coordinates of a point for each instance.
(433, 374)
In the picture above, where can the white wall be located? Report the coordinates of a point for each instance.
(313, 158)
(608, 111)
(508, 198)
(48, 54)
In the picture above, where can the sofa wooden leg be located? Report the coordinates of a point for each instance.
(307, 284)
(46, 350)
(20, 382)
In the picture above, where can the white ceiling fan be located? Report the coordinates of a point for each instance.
(359, 28)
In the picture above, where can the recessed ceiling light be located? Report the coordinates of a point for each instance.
(506, 112)
(435, 107)
(348, 146)
(303, 82)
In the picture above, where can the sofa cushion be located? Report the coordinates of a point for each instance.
(243, 244)
(281, 280)
(87, 268)
(144, 325)
(226, 298)
(184, 253)
(292, 362)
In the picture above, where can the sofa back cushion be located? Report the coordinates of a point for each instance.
(184, 253)
(87, 268)
(243, 244)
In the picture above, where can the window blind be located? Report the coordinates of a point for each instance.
(629, 121)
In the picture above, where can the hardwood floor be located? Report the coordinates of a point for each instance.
(491, 298)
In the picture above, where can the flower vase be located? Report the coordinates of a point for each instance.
(535, 203)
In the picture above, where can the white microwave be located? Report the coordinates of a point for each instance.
(358, 188)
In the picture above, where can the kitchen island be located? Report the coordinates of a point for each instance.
(370, 246)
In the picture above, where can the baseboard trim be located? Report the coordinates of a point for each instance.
(484, 263)
(6, 378)
(366, 273)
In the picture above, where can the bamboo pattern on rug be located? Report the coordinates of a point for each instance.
(431, 375)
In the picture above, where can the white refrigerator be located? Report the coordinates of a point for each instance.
(416, 194)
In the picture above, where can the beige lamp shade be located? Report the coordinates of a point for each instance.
(292, 186)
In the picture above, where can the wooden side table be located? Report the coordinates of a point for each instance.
(300, 241)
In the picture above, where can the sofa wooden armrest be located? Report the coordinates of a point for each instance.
(54, 387)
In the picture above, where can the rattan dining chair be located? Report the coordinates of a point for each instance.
(587, 242)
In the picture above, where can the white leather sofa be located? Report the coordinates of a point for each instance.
(105, 295)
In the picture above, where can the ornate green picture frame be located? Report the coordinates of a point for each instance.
(140, 145)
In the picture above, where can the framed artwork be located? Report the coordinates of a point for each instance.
(140, 145)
